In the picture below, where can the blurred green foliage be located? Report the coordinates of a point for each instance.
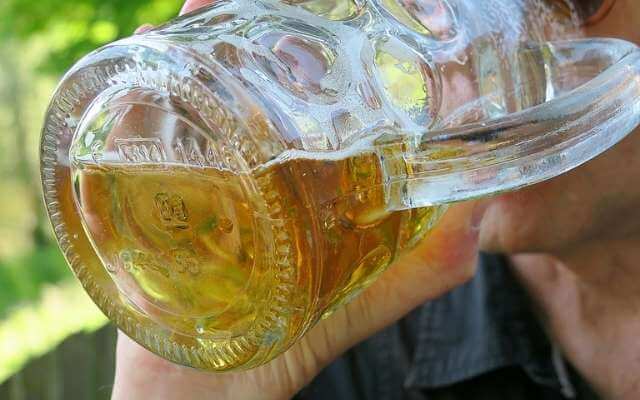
(75, 27)
(22, 277)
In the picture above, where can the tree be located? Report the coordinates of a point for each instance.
(11, 92)
(75, 27)
(69, 29)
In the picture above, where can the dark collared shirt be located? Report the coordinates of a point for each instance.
(480, 341)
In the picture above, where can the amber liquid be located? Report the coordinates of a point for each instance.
(212, 254)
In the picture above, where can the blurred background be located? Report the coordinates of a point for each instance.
(54, 343)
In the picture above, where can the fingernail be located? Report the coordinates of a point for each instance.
(477, 215)
(143, 28)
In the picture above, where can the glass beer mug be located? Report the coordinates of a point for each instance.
(220, 183)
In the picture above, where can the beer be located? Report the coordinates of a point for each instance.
(209, 253)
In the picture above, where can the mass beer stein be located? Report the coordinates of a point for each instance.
(220, 183)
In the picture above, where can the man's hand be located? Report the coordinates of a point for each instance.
(575, 243)
(446, 259)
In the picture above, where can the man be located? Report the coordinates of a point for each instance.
(569, 258)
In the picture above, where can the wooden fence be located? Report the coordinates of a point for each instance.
(80, 368)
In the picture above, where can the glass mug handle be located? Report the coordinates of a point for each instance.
(570, 127)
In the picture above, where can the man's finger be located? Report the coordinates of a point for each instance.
(143, 28)
(444, 259)
(191, 5)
